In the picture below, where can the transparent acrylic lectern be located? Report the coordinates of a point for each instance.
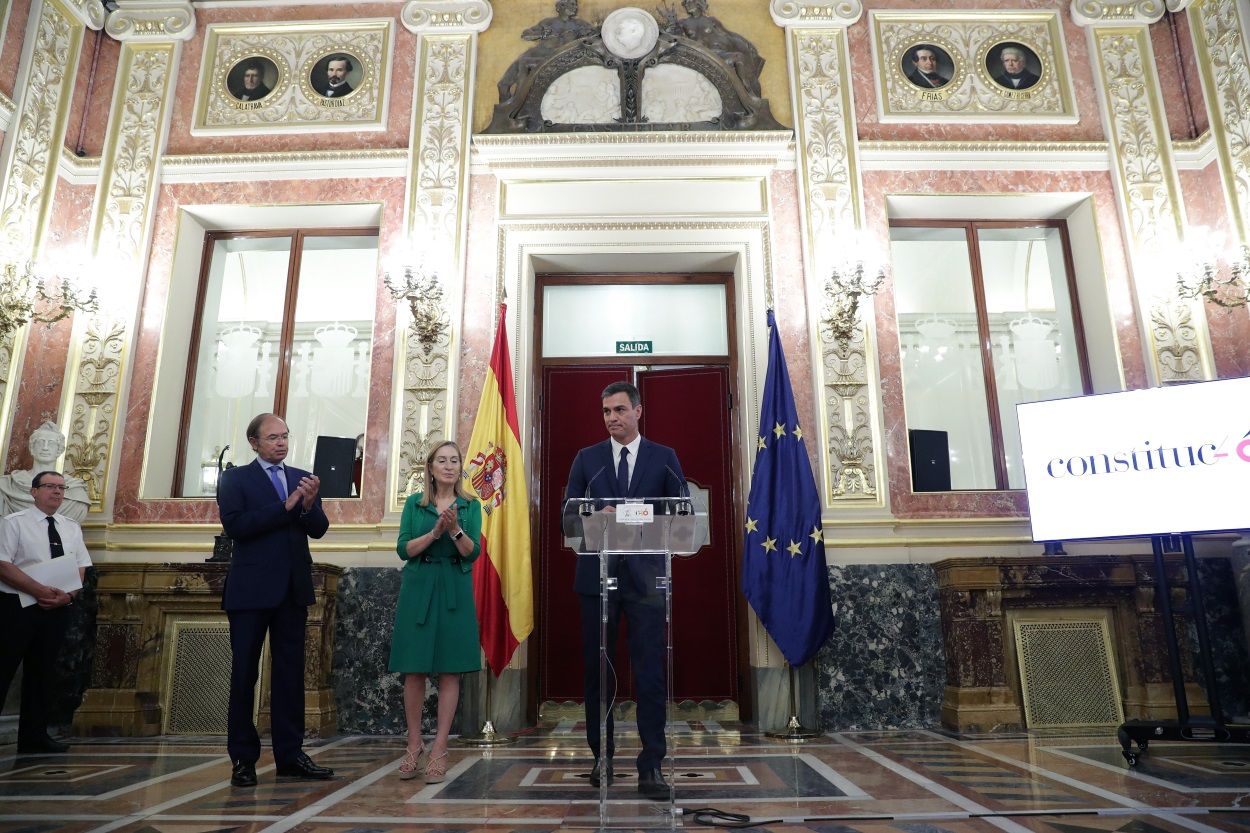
(633, 541)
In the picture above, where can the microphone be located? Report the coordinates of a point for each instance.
(683, 507)
(585, 510)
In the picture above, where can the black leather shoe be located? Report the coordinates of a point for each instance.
(243, 774)
(301, 766)
(43, 745)
(596, 774)
(653, 786)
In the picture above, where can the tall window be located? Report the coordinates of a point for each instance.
(284, 323)
(987, 319)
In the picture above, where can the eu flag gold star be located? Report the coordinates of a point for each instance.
(752, 525)
(798, 432)
(762, 445)
(770, 545)
(817, 534)
(779, 430)
(794, 548)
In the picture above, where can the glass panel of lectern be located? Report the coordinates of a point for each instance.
(634, 541)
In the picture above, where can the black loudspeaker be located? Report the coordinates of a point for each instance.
(930, 460)
(333, 464)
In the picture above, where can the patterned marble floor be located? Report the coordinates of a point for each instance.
(866, 782)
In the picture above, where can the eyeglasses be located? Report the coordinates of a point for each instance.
(273, 438)
(56, 487)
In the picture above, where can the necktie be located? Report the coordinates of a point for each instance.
(622, 473)
(275, 474)
(54, 539)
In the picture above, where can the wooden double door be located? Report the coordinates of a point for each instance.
(690, 409)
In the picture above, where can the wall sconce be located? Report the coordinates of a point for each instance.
(423, 291)
(1198, 263)
(27, 295)
(848, 282)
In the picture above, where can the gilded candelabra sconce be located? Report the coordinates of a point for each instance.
(1209, 270)
(29, 294)
(423, 291)
(848, 282)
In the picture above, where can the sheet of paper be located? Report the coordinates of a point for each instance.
(61, 573)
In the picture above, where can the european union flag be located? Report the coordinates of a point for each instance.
(784, 575)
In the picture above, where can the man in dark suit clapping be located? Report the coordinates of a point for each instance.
(626, 465)
(270, 510)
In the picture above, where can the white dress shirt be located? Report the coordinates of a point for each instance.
(24, 539)
(633, 455)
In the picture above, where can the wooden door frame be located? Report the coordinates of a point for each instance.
(746, 700)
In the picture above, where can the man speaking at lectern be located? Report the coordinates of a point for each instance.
(626, 465)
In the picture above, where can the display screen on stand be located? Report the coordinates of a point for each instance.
(1139, 463)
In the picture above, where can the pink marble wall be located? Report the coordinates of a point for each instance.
(1229, 328)
(92, 99)
(402, 71)
(11, 45)
(128, 507)
(47, 347)
(790, 302)
(477, 325)
(1088, 128)
(1178, 76)
(877, 184)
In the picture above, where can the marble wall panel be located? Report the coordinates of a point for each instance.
(476, 333)
(1229, 328)
(883, 667)
(93, 93)
(1178, 77)
(47, 347)
(73, 670)
(11, 45)
(1088, 128)
(146, 340)
(399, 114)
(369, 698)
(877, 184)
(1229, 653)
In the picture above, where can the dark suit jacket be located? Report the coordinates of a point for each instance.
(656, 474)
(244, 94)
(918, 78)
(341, 91)
(1027, 80)
(270, 543)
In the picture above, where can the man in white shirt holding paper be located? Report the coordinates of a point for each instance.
(33, 604)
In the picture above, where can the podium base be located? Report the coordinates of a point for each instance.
(795, 732)
(487, 737)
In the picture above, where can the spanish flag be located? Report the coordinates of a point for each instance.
(502, 582)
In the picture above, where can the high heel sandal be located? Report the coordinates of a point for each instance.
(412, 763)
(436, 769)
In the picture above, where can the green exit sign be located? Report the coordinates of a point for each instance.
(633, 348)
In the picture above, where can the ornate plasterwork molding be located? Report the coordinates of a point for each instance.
(89, 13)
(1219, 35)
(829, 174)
(447, 16)
(1150, 196)
(435, 219)
(1103, 13)
(120, 223)
(35, 133)
(155, 20)
(796, 13)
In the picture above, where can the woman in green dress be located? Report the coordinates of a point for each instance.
(435, 619)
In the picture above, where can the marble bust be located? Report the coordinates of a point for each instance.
(47, 444)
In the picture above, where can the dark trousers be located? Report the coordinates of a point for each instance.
(645, 621)
(30, 637)
(285, 626)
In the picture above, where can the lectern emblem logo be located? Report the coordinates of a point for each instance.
(487, 472)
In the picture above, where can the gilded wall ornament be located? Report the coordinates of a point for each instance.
(305, 77)
(972, 67)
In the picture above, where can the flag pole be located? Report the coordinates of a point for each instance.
(795, 731)
(487, 736)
